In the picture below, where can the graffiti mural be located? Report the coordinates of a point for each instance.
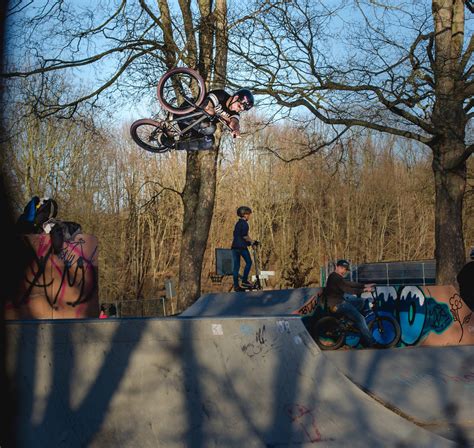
(417, 314)
(428, 315)
(456, 305)
(58, 285)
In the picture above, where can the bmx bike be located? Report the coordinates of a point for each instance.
(331, 330)
(180, 91)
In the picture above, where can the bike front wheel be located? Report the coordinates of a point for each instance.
(385, 330)
(180, 90)
(328, 333)
(147, 134)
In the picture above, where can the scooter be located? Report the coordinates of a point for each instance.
(257, 284)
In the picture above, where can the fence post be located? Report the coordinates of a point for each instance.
(163, 304)
(170, 292)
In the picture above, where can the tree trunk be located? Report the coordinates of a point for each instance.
(448, 145)
(198, 201)
(201, 168)
(450, 184)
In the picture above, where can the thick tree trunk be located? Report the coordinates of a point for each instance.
(198, 200)
(448, 145)
(450, 184)
(201, 168)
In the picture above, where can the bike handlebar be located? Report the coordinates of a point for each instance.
(213, 117)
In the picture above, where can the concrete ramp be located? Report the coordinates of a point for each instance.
(251, 303)
(432, 386)
(210, 382)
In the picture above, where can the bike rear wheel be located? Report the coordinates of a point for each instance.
(180, 90)
(385, 330)
(328, 333)
(146, 133)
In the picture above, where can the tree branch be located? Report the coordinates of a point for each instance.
(310, 152)
(349, 122)
(55, 108)
(61, 65)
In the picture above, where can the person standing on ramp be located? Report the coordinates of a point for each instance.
(240, 245)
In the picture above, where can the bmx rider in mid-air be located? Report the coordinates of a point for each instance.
(220, 103)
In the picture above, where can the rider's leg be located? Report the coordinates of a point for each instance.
(206, 128)
(358, 302)
(248, 265)
(236, 267)
(351, 311)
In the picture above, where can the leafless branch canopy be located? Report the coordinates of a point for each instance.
(381, 70)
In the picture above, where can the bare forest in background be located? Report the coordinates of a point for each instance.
(368, 199)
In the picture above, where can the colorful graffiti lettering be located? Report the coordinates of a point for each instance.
(310, 306)
(427, 315)
(58, 285)
(417, 315)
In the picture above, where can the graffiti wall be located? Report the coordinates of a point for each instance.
(58, 286)
(428, 315)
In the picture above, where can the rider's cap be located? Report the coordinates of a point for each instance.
(343, 263)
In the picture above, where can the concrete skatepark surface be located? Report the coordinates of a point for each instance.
(251, 303)
(211, 382)
(432, 386)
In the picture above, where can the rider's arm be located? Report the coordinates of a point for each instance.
(245, 232)
(235, 126)
(244, 229)
(209, 108)
(351, 287)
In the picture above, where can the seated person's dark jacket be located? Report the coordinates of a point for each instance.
(465, 280)
(335, 288)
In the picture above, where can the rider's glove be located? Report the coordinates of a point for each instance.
(255, 243)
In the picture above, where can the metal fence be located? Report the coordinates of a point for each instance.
(160, 307)
(421, 272)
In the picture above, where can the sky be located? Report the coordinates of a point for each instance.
(144, 103)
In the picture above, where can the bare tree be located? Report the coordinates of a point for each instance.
(126, 47)
(403, 70)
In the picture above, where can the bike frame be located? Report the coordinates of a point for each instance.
(201, 113)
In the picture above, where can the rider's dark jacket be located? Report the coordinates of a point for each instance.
(241, 230)
(219, 98)
(336, 286)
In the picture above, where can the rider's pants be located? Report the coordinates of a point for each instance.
(245, 254)
(351, 310)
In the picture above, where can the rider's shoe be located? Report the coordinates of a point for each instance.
(238, 289)
(247, 285)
